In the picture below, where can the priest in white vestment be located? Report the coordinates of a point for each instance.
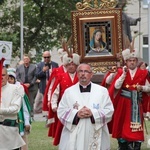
(84, 110)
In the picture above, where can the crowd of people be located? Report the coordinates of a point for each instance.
(19, 99)
(80, 114)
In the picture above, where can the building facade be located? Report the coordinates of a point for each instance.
(139, 8)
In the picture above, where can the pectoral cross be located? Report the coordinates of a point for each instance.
(76, 105)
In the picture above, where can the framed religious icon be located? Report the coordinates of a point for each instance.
(97, 36)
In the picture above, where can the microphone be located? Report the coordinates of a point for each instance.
(48, 64)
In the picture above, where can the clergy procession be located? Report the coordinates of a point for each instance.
(81, 115)
(85, 101)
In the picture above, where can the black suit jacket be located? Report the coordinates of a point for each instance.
(42, 75)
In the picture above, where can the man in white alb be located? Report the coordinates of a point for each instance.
(85, 109)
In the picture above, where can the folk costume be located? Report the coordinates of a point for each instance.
(123, 114)
(88, 133)
(24, 118)
(104, 83)
(128, 115)
(25, 110)
(62, 82)
(109, 77)
(55, 73)
(24, 115)
(10, 106)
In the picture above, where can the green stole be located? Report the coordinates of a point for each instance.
(21, 114)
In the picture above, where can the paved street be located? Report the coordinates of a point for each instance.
(39, 117)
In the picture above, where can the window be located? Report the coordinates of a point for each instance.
(145, 3)
(145, 40)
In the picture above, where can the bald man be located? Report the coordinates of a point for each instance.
(44, 69)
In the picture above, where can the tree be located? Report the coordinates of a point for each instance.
(45, 21)
(1, 2)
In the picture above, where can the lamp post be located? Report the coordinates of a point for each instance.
(21, 29)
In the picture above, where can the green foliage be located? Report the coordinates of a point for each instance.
(1, 2)
(45, 21)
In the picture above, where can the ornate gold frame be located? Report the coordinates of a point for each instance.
(80, 21)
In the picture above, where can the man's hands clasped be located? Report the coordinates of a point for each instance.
(84, 113)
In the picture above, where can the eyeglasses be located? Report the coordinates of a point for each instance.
(3, 75)
(47, 57)
(84, 71)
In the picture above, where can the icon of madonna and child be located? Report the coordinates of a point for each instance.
(97, 45)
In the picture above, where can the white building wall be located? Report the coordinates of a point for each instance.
(136, 10)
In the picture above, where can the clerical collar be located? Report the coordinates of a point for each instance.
(85, 88)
